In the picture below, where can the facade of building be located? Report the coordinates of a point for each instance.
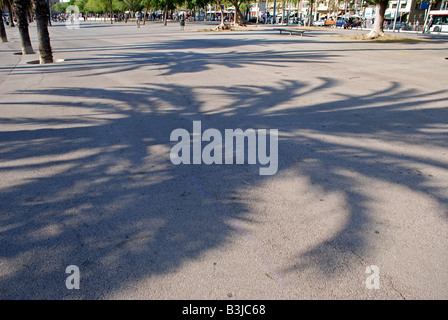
(408, 12)
(324, 9)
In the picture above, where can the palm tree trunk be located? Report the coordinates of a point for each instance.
(165, 14)
(11, 19)
(42, 12)
(2, 28)
(283, 12)
(381, 6)
(20, 10)
(310, 17)
(49, 13)
(222, 24)
(146, 12)
(239, 18)
(29, 15)
(110, 11)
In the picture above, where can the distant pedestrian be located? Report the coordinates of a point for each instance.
(182, 23)
(137, 19)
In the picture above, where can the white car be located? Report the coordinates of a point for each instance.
(319, 23)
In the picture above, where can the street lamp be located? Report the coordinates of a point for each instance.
(275, 16)
(396, 14)
(49, 12)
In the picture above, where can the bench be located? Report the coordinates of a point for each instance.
(291, 31)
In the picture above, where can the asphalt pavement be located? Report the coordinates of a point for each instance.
(358, 208)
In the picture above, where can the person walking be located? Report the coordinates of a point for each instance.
(182, 22)
(137, 19)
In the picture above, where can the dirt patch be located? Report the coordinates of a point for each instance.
(384, 38)
(227, 28)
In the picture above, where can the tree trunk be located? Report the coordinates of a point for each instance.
(29, 15)
(49, 13)
(299, 11)
(165, 14)
(146, 12)
(426, 19)
(266, 11)
(20, 10)
(11, 18)
(2, 28)
(222, 24)
(377, 30)
(310, 16)
(42, 12)
(283, 12)
(239, 18)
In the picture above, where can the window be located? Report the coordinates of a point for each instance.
(440, 20)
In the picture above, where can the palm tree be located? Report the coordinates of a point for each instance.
(2, 27)
(377, 31)
(222, 25)
(42, 16)
(20, 11)
(239, 18)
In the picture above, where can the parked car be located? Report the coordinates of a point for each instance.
(319, 23)
(330, 22)
(340, 22)
(356, 23)
(399, 26)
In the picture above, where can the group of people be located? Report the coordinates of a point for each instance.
(352, 23)
(181, 17)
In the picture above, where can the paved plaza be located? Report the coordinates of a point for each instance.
(86, 177)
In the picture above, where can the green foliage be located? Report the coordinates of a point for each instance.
(161, 4)
(131, 5)
(244, 5)
(102, 6)
(60, 7)
(81, 4)
(198, 3)
(94, 6)
(145, 3)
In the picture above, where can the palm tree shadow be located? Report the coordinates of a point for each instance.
(173, 57)
(100, 191)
